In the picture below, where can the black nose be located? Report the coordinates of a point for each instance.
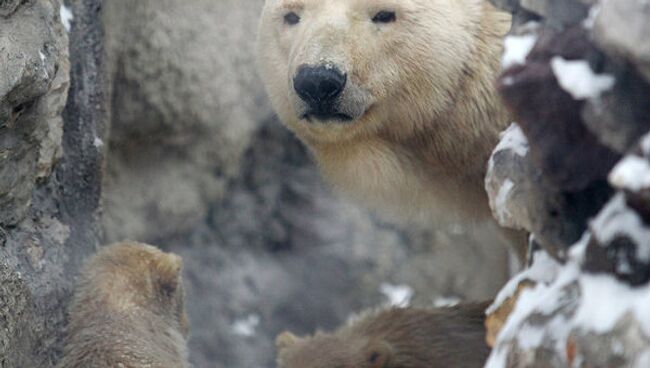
(319, 86)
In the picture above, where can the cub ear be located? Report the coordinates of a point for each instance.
(286, 340)
(379, 354)
(169, 269)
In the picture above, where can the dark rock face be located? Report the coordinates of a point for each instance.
(50, 170)
(581, 100)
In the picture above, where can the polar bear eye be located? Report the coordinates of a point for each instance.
(291, 18)
(384, 16)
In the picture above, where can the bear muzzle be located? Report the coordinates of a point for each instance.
(320, 88)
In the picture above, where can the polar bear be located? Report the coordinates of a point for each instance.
(395, 98)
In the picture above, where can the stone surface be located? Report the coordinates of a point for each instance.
(587, 190)
(186, 96)
(57, 228)
(33, 89)
(621, 28)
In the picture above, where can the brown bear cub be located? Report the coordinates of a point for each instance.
(128, 311)
(452, 337)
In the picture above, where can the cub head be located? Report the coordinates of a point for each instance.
(337, 69)
(331, 351)
(135, 276)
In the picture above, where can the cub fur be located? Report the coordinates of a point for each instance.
(394, 338)
(128, 311)
(395, 98)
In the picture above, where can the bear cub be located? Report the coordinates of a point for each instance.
(128, 311)
(394, 338)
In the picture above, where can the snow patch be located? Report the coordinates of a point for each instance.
(246, 326)
(66, 17)
(617, 219)
(589, 22)
(502, 211)
(631, 173)
(516, 48)
(398, 295)
(605, 301)
(577, 78)
(98, 143)
(446, 301)
(513, 139)
(543, 270)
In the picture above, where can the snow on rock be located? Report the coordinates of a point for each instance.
(247, 326)
(398, 295)
(516, 48)
(446, 301)
(66, 17)
(600, 315)
(503, 184)
(513, 139)
(98, 143)
(631, 173)
(618, 220)
(577, 78)
(544, 270)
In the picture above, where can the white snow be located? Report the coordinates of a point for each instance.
(246, 326)
(398, 295)
(502, 212)
(516, 48)
(605, 301)
(98, 142)
(631, 173)
(513, 139)
(66, 17)
(446, 301)
(617, 219)
(543, 270)
(577, 78)
(42, 56)
(589, 22)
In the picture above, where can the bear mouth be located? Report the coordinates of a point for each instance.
(327, 116)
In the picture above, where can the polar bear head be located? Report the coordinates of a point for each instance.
(339, 69)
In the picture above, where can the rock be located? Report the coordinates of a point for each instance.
(621, 28)
(506, 180)
(619, 118)
(567, 185)
(575, 319)
(186, 96)
(33, 89)
(557, 12)
(54, 219)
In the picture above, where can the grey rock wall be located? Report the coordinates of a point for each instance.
(49, 170)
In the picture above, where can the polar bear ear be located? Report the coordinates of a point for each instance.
(378, 354)
(286, 340)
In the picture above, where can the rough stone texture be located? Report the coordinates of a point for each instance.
(507, 180)
(33, 89)
(54, 226)
(621, 28)
(588, 179)
(187, 97)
